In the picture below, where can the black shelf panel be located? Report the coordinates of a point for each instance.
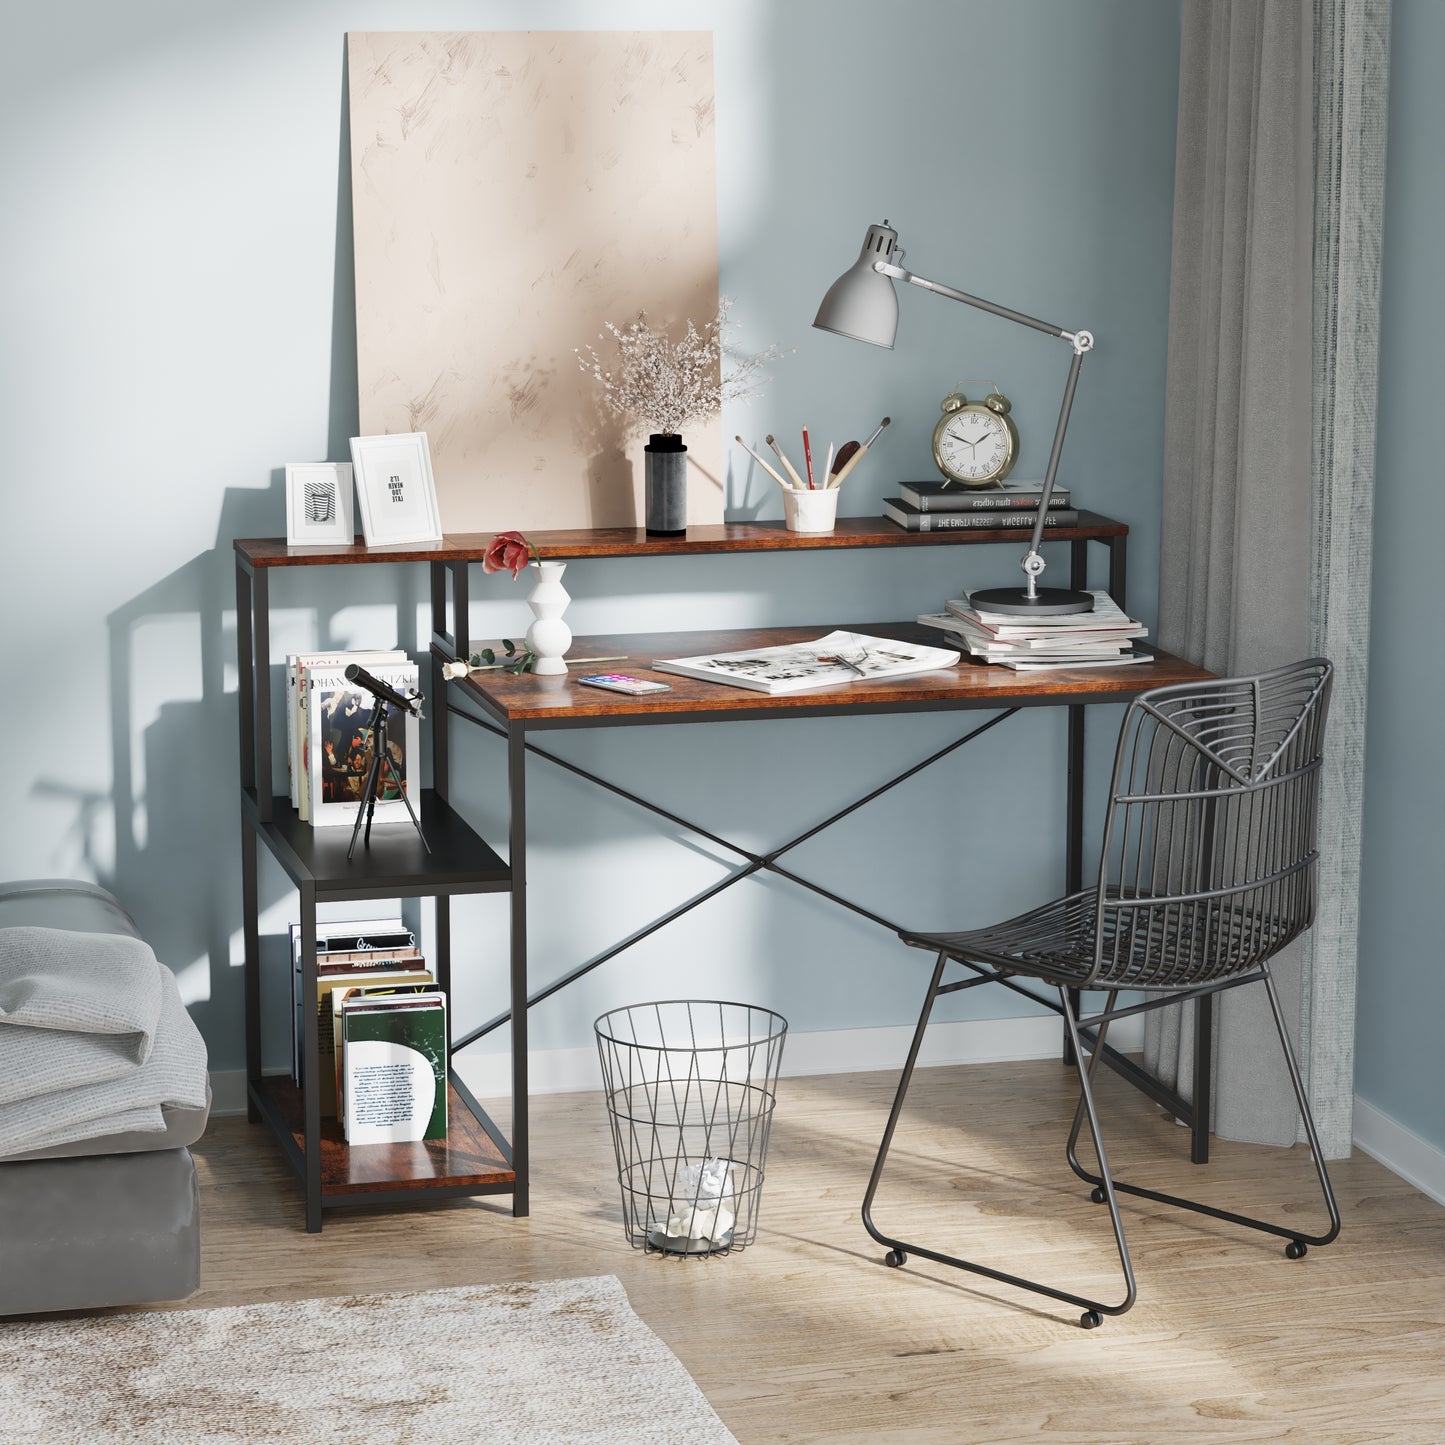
(394, 866)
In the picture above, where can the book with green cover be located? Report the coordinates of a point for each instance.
(394, 1068)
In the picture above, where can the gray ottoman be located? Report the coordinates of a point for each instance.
(110, 1221)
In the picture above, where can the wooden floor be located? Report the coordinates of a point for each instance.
(807, 1336)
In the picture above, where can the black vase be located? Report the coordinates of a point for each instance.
(665, 468)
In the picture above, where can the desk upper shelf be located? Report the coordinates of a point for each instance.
(581, 542)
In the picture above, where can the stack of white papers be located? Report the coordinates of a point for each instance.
(1101, 638)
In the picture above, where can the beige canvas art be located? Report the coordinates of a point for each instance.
(511, 193)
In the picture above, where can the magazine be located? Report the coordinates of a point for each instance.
(339, 746)
(798, 666)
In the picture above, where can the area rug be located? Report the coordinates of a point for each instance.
(563, 1361)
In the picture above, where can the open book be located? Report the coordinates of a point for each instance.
(797, 666)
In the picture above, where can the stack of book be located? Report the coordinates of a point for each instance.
(328, 736)
(361, 953)
(939, 506)
(1103, 637)
(391, 1080)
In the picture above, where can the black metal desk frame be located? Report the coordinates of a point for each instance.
(450, 591)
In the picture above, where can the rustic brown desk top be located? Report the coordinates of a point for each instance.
(564, 546)
(563, 699)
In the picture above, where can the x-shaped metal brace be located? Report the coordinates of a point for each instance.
(754, 862)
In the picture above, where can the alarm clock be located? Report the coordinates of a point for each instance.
(975, 442)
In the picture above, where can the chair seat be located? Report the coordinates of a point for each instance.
(1142, 948)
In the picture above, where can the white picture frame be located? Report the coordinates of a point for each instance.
(318, 504)
(395, 489)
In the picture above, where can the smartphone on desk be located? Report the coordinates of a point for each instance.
(622, 682)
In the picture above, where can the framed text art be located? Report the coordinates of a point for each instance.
(318, 504)
(395, 489)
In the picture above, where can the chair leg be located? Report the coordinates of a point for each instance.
(899, 1250)
(1298, 1241)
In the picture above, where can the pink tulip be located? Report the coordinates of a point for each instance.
(508, 552)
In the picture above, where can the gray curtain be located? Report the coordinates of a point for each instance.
(1269, 447)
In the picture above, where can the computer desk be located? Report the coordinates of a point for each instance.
(518, 708)
(477, 1157)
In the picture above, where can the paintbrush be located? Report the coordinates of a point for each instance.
(798, 482)
(763, 464)
(808, 457)
(859, 454)
(845, 455)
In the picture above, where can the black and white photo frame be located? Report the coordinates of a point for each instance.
(318, 504)
(395, 489)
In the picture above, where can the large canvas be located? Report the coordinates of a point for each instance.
(511, 192)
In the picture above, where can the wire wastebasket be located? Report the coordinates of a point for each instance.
(690, 1086)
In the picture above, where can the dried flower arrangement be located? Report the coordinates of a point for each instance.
(662, 384)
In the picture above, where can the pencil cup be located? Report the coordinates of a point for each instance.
(811, 511)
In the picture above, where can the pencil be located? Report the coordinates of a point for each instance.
(808, 459)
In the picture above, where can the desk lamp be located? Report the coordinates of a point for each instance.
(862, 304)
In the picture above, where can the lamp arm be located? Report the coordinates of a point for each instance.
(899, 274)
(1081, 341)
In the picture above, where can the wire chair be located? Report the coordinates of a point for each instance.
(1207, 870)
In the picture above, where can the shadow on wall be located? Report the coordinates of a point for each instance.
(176, 854)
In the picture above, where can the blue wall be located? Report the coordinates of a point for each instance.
(1401, 1063)
(176, 303)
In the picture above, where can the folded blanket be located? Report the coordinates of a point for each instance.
(173, 1073)
(75, 1009)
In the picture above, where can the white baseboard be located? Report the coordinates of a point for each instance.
(853, 1051)
(829, 1051)
(1402, 1152)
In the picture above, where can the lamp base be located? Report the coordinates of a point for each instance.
(1016, 602)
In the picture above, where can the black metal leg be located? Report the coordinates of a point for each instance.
(251, 945)
(1297, 1238)
(898, 1098)
(899, 1250)
(517, 794)
(1297, 1244)
(261, 675)
(1203, 1079)
(311, 1060)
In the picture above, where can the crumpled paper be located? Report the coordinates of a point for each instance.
(702, 1205)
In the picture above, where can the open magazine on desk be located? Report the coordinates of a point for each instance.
(798, 666)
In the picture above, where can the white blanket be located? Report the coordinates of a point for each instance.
(94, 1039)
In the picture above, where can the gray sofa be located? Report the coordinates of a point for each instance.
(108, 1221)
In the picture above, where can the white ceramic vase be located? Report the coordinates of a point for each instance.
(548, 636)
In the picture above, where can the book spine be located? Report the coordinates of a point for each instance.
(959, 521)
(982, 502)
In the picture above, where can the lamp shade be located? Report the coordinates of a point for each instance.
(861, 303)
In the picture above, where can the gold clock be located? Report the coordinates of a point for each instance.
(975, 442)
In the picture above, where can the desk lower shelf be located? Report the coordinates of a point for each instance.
(470, 1160)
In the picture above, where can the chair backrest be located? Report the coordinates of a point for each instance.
(1208, 859)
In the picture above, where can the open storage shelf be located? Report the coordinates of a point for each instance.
(472, 1159)
(395, 865)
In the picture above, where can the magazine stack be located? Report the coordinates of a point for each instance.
(381, 1031)
(1103, 637)
(329, 742)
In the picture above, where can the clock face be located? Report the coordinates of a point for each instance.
(973, 445)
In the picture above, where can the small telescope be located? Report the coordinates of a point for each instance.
(377, 688)
(384, 693)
